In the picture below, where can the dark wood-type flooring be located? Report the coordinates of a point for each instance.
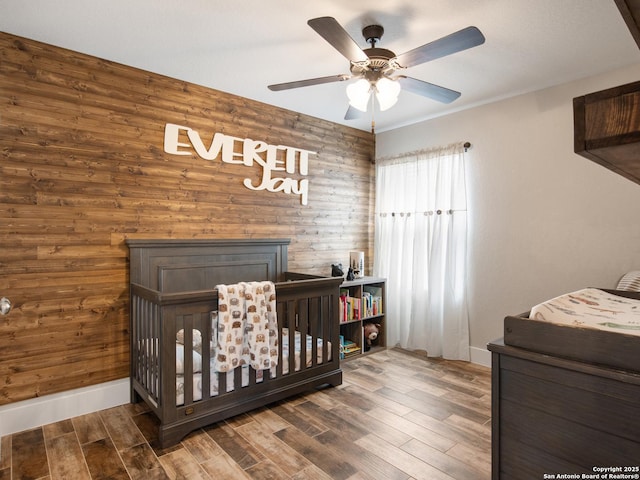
(396, 416)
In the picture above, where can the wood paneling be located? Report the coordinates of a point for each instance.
(82, 168)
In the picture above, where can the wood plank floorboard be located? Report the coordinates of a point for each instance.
(397, 416)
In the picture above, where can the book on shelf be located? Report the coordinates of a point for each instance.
(351, 350)
(347, 347)
(372, 298)
(350, 307)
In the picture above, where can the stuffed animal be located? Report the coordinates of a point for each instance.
(350, 275)
(336, 270)
(371, 331)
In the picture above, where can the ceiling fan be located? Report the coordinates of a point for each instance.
(377, 69)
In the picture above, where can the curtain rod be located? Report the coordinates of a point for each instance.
(465, 145)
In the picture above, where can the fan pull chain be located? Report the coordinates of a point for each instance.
(373, 120)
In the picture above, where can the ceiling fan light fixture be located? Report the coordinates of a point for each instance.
(387, 92)
(375, 69)
(359, 93)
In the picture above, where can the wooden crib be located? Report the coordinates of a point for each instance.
(173, 292)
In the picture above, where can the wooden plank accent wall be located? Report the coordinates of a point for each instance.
(82, 168)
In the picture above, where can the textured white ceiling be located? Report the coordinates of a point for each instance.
(241, 47)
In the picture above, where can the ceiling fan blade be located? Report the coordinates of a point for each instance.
(427, 89)
(353, 113)
(306, 83)
(329, 29)
(456, 42)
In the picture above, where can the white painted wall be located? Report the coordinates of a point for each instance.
(543, 220)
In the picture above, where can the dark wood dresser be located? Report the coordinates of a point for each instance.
(552, 415)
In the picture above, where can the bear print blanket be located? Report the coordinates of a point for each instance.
(247, 332)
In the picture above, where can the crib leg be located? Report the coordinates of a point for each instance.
(135, 397)
(335, 379)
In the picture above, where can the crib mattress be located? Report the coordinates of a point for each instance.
(197, 366)
(590, 325)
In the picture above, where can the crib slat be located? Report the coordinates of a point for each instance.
(207, 338)
(185, 322)
(252, 377)
(153, 381)
(291, 326)
(326, 326)
(317, 329)
(147, 347)
(237, 379)
(222, 383)
(303, 328)
(280, 309)
(334, 312)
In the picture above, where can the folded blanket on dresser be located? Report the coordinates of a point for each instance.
(247, 332)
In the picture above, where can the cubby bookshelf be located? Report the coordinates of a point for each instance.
(362, 301)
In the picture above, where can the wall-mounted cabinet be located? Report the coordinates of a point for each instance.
(630, 11)
(362, 301)
(607, 129)
(607, 123)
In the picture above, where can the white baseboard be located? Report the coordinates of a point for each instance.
(27, 414)
(481, 356)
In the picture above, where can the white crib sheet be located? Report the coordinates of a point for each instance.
(197, 362)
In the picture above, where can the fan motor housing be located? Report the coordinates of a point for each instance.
(378, 57)
(379, 61)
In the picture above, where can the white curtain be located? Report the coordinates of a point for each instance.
(420, 247)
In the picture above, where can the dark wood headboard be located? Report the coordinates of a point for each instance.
(173, 266)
